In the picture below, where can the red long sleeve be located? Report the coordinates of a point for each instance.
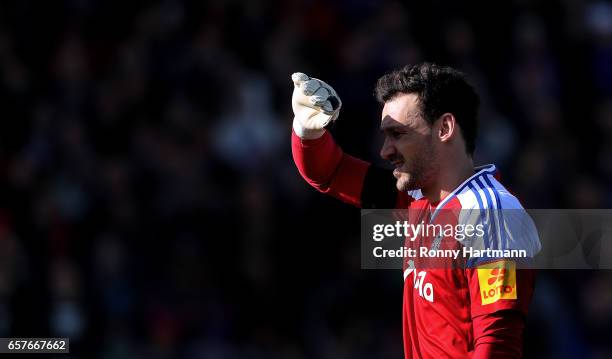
(324, 166)
(498, 326)
(499, 335)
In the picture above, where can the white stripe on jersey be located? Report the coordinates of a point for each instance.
(483, 169)
(486, 201)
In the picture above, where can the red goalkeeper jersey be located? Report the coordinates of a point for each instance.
(472, 311)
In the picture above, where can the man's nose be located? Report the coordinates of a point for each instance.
(387, 150)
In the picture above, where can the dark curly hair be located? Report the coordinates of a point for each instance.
(439, 90)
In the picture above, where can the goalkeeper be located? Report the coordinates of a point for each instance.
(429, 122)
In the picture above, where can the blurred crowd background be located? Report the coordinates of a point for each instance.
(149, 206)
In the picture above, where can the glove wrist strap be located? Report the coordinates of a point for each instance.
(305, 133)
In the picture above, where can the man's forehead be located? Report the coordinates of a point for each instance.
(400, 111)
(389, 123)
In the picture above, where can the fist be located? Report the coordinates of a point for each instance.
(315, 104)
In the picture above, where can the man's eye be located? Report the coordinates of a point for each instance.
(395, 135)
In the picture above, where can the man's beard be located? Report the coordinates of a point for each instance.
(418, 173)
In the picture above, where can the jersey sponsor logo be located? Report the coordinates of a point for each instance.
(425, 289)
(497, 281)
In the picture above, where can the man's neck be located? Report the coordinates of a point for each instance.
(449, 178)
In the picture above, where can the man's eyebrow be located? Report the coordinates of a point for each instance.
(391, 127)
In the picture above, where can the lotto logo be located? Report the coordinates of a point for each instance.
(497, 281)
(497, 275)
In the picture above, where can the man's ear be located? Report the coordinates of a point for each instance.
(448, 127)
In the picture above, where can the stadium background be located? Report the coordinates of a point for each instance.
(149, 206)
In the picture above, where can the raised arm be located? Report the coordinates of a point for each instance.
(322, 163)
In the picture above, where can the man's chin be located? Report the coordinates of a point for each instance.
(403, 184)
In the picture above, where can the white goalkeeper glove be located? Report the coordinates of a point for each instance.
(315, 104)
